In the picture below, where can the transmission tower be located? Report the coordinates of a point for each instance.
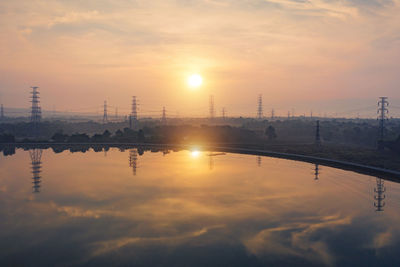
(164, 116)
(211, 107)
(379, 194)
(382, 117)
(133, 157)
(317, 135)
(259, 107)
(272, 114)
(1, 112)
(133, 117)
(36, 156)
(259, 161)
(36, 112)
(105, 116)
(223, 113)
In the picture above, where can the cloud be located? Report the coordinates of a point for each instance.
(296, 239)
(295, 47)
(75, 17)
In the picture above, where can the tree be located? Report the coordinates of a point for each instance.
(106, 134)
(119, 133)
(270, 133)
(97, 138)
(128, 132)
(79, 138)
(59, 137)
(7, 138)
(141, 136)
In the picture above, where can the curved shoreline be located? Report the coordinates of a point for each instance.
(350, 166)
(344, 165)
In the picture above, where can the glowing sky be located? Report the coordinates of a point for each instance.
(306, 54)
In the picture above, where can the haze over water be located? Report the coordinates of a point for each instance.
(191, 209)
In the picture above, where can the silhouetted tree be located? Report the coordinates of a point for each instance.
(59, 137)
(79, 138)
(119, 133)
(128, 132)
(106, 134)
(97, 138)
(141, 137)
(7, 138)
(270, 133)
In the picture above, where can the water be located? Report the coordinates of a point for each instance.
(191, 209)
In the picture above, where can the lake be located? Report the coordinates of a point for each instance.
(191, 208)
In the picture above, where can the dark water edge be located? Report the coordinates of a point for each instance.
(391, 175)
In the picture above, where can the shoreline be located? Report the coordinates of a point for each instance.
(387, 174)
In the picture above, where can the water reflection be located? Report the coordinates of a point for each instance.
(259, 161)
(379, 194)
(210, 162)
(36, 157)
(316, 172)
(176, 213)
(133, 158)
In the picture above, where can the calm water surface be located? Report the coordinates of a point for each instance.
(191, 209)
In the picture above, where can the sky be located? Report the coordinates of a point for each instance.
(301, 55)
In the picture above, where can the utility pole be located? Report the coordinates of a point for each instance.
(133, 117)
(379, 194)
(311, 114)
(105, 117)
(164, 116)
(317, 135)
(272, 114)
(211, 107)
(259, 107)
(382, 117)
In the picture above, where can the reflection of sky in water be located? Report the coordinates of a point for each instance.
(176, 209)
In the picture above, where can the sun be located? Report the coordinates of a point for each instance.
(195, 153)
(194, 80)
